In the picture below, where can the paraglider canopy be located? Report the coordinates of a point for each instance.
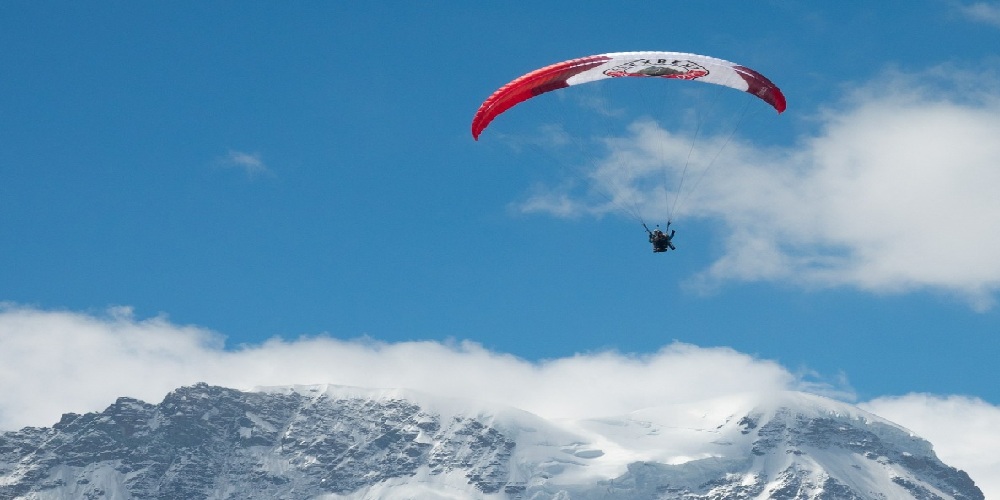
(669, 65)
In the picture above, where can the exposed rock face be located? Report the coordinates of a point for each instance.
(330, 442)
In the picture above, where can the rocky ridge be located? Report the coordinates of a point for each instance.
(334, 442)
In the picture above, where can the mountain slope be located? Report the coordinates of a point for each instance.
(337, 442)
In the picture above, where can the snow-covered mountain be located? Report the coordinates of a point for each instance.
(347, 443)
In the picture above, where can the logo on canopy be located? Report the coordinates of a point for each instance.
(680, 69)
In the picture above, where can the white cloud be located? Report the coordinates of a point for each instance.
(895, 193)
(964, 431)
(251, 163)
(56, 362)
(984, 12)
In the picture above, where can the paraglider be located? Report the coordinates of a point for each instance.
(661, 241)
(618, 65)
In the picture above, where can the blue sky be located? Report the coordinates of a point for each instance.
(297, 171)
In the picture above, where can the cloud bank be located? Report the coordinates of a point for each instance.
(52, 362)
(896, 192)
